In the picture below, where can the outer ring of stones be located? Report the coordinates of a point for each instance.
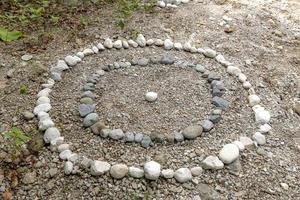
(152, 170)
(91, 119)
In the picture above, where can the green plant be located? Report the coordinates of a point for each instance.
(125, 9)
(22, 88)
(14, 139)
(9, 36)
(132, 196)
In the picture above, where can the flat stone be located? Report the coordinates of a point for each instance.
(90, 119)
(86, 100)
(232, 70)
(152, 170)
(29, 178)
(116, 134)
(118, 171)
(28, 115)
(143, 62)
(220, 102)
(212, 162)
(89, 94)
(246, 141)
(178, 137)
(26, 57)
(183, 175)
(136, 172)
(210, 53)
(229, 153)
(193, 131)
(85, 109)
(207, 125)
(213, 76)
(215, 118)
(99, 167)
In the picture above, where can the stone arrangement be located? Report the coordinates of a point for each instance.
(87, 106)
(151, 170)
(170, 3)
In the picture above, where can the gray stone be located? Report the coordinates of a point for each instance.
(143, 61)
(183, 175)
(138, 137)
(29, 178)
(196, 171)
(105, 132)
(215, 118)
(28, 115)
(55, 76)
(217, 84)
(193, 131)
(297, 107)
(220, 102)
(146, 141)
(51, 134)
(205, 74)
(168, 44)
(71, 60)
(86, 100)
(53, 172)
(217, 92)
(213, 76)
(207, 125)
(99, 167)
(64, 155)
(200, 68)
(97, 127)
(157, 137)
(210, 53)
(89, 94)
(178, 137)
(167, 59)
(116, 134)
(129, 137)
(259, 138)
(136, 172)
(212, 162)
(152, 170)
(118, 171)
(90, 119)
(85, 109)
(167, 173)
(68, 168)
(207, 193)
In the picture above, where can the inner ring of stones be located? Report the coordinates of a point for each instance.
(147, 138)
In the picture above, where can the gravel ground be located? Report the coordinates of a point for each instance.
(264, 35)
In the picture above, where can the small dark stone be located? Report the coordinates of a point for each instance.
(215, 118)
(156, 137)
(105, 68)
(220, 102)
(217, 92)
(213, 76)
(217, 84)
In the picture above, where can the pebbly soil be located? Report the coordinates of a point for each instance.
(266, 35)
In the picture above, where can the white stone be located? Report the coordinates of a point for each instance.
(80, 54)
(99, 167)
(167, 173)
(51, 134)
(71, 60)
(59, 67)
(57, 141)
(185, 1)
(118, 44)
(212, 162)
(100, 47)
(168, 44)
(242, 77)
(43, 115)
(46, 107)
(194, 50)
(284, 186)
(161, 4)
(151, 96)
(232, 70)
(259, 138)
(95, 49)
(265, 128)
(246, 141)
(240, 145)
(42, 100)
(78, 60)
(118, 171)
(183, 175)
(247, 85)
(171, 5)
(141, 40)
(150, 42)
(88, 52)
(108, 43)
(200, 50)
(44, 92)
(133, 43)
(45, 124)
(136, 172)
(253, 100)
(125, 44)
(178, 46)
(208, 52)
(73, 157)
(63, 147)
(196, 171)
(152, 170)
(262, 116)
(220, 59)
(187, 46)
(64, 155)
(159, 42)
(229, 153)
(68, 168)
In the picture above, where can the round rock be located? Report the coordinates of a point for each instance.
(212, 162)
(167, 173)
(151, 96)
(90, 119)
(152, 170)
(51, 134)
(183, 175)
(136, 172)
(229, 153)
(99, 167)
(116, 134)
(118, 171)
(193, 131)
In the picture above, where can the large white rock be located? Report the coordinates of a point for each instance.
(151, 96)
(152, 170)
(253, 100)
(42, 115)
(265, 128)
(65, 155)
(51, 134)
(46, 107)
(108, 43)
(232, 70)
(183, 175)
(63, 147)
(60, 66)
(168, 44)
(71, 60)
(212, 162)
(100, 47)
(136, 172)
(45, 124)
(229, 153)
(167, 173)
(141, 40)
(178, 46)
(118, 171)
(68, 168)
(125, 44)
(259, 138)
(42, 100)
(150, 42)
(88, 51)
(242, 77)
(44, 92)
(187, 46)
(80, 54)
(247, 85)
(133, 43)
(99, 167)
(118, 44)
(262, 116)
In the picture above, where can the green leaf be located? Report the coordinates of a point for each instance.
(9, 36)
